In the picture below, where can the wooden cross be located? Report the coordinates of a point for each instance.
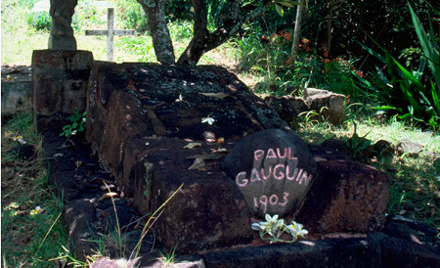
(110, 32)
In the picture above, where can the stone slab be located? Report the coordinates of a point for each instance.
(59, 85)
(347, 196)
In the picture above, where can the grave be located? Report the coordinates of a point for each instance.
(198, 140)
(198, 129)
(142, 131)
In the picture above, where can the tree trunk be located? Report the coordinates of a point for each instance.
(328, 44)
(232, 18)
(297, 30)
(197, 46)
(163, 46)
(204, 41)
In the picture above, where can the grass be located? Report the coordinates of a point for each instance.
(414, 181)
(32, 240)
(29, 238)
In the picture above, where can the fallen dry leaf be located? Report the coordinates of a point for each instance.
(211, 156)
(219, 95)
(199, 164)
(192, 145)
(107, 195)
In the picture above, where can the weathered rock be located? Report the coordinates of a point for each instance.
(209, 212)
(346, 197)
(409, 148)
(61, 31)
(59, 85)
(78, 214)
(329, 105)
(323, 153)
(273, 169)
(337, 145)
(402, 243)
(140, 116)
(288, 107)
(16, 90)
(410, 230)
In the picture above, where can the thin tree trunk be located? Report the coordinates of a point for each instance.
(198, 45)
(297, 30)
(204, 41)
(328, 45)
(163, 46)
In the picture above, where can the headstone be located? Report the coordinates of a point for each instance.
(110, 32)
(273, 169)
(61, 33)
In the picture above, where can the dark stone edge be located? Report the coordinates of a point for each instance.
(413, 246)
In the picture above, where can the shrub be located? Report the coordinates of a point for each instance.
(403, 91)
(40, 20)
(132, 15)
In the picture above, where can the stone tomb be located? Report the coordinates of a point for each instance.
(141, 119)
(156, 128)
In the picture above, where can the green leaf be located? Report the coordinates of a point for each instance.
(288, 3)
(279, 9)
(387, 107)
(409, 76)
(372, 52)
(435, 97)
(430, 49)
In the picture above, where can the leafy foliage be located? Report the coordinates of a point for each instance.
(78, 121)
(132, 14)
(357, 144)
(40, 20)
(402, 90)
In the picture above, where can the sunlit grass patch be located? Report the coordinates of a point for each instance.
(414, 181)
(32, 229)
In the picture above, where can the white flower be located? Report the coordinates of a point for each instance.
(275, 228)
(180, 98)
(208, 120)
(296, 230)
(257, 226)
(36, 210)
(273, 225)
(271, 218)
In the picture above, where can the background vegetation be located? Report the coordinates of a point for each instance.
(383, 55)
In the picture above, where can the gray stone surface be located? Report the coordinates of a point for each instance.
(328, 105)
(16, 90)
(273, 169)
(59, 85)
(61, 32)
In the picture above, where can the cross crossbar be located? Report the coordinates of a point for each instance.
(110, 32)
(115, 32)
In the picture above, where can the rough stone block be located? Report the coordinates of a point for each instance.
(16, 96)
(59, 85)
(329, 105)
(347, 196)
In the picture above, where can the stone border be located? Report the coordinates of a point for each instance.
(402, 243)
